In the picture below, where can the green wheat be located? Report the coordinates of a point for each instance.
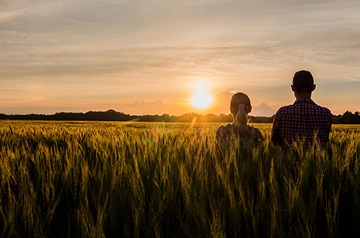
(82, 179)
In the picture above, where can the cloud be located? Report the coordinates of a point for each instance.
(152, 50)
(7, 16)
(145, 107)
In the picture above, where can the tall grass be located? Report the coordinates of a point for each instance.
(172, 180)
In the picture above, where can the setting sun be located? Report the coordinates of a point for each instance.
(201, 98)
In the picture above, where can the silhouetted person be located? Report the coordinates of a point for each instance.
(304, 120)
(240, 106)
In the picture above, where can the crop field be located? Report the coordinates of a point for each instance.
(117, 179)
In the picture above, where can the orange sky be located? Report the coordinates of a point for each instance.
(144, 57)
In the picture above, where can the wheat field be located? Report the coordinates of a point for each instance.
(117, 179)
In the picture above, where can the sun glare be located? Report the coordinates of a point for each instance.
(201, 98)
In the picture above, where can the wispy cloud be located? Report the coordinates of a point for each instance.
(7, 16)
(152, 50)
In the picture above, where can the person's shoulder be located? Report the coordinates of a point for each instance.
(224, 130)
(284, 109)
(227, 127)
(327, 114)
(251, 128)
(325, 110)
(255, 131)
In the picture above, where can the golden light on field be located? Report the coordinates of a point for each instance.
(201, 98)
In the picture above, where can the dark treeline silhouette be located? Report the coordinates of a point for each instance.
(347, 118)
(112, 115)
(109, 115)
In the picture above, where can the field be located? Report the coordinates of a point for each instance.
(102, 179)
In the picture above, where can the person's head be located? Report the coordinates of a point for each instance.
(303, 84)
(239, 99)
(240, 106)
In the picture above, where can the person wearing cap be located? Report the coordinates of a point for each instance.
(304, 120)
(240, 107)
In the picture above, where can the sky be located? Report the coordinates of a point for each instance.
(150, 56)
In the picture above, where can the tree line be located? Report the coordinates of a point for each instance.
(112, 115)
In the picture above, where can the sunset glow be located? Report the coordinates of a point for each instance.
(141, 57)
(201, 98)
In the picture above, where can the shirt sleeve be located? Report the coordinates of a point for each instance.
(276, 137)
(328, 126)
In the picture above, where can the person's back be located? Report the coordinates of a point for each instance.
(304, 120)
(240, 106)
(252, 136)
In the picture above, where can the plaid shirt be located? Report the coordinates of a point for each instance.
(252, 137)
(302, 120)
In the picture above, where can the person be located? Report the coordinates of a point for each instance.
(304, 120)
(240, 107)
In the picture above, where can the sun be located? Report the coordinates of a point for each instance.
(201, 98)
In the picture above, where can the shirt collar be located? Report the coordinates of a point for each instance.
(304, 100)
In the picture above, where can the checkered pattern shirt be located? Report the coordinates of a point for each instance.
(303, 120)
(252, 137)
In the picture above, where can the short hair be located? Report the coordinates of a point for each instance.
(303, 81)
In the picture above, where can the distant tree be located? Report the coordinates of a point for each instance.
(350, 118)
(212, 118)
(167, 118)
(3, 116)
(147, 118)
(336, 119)
(112, 115)
(225, 118)
(189, 117)
(347, 118)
